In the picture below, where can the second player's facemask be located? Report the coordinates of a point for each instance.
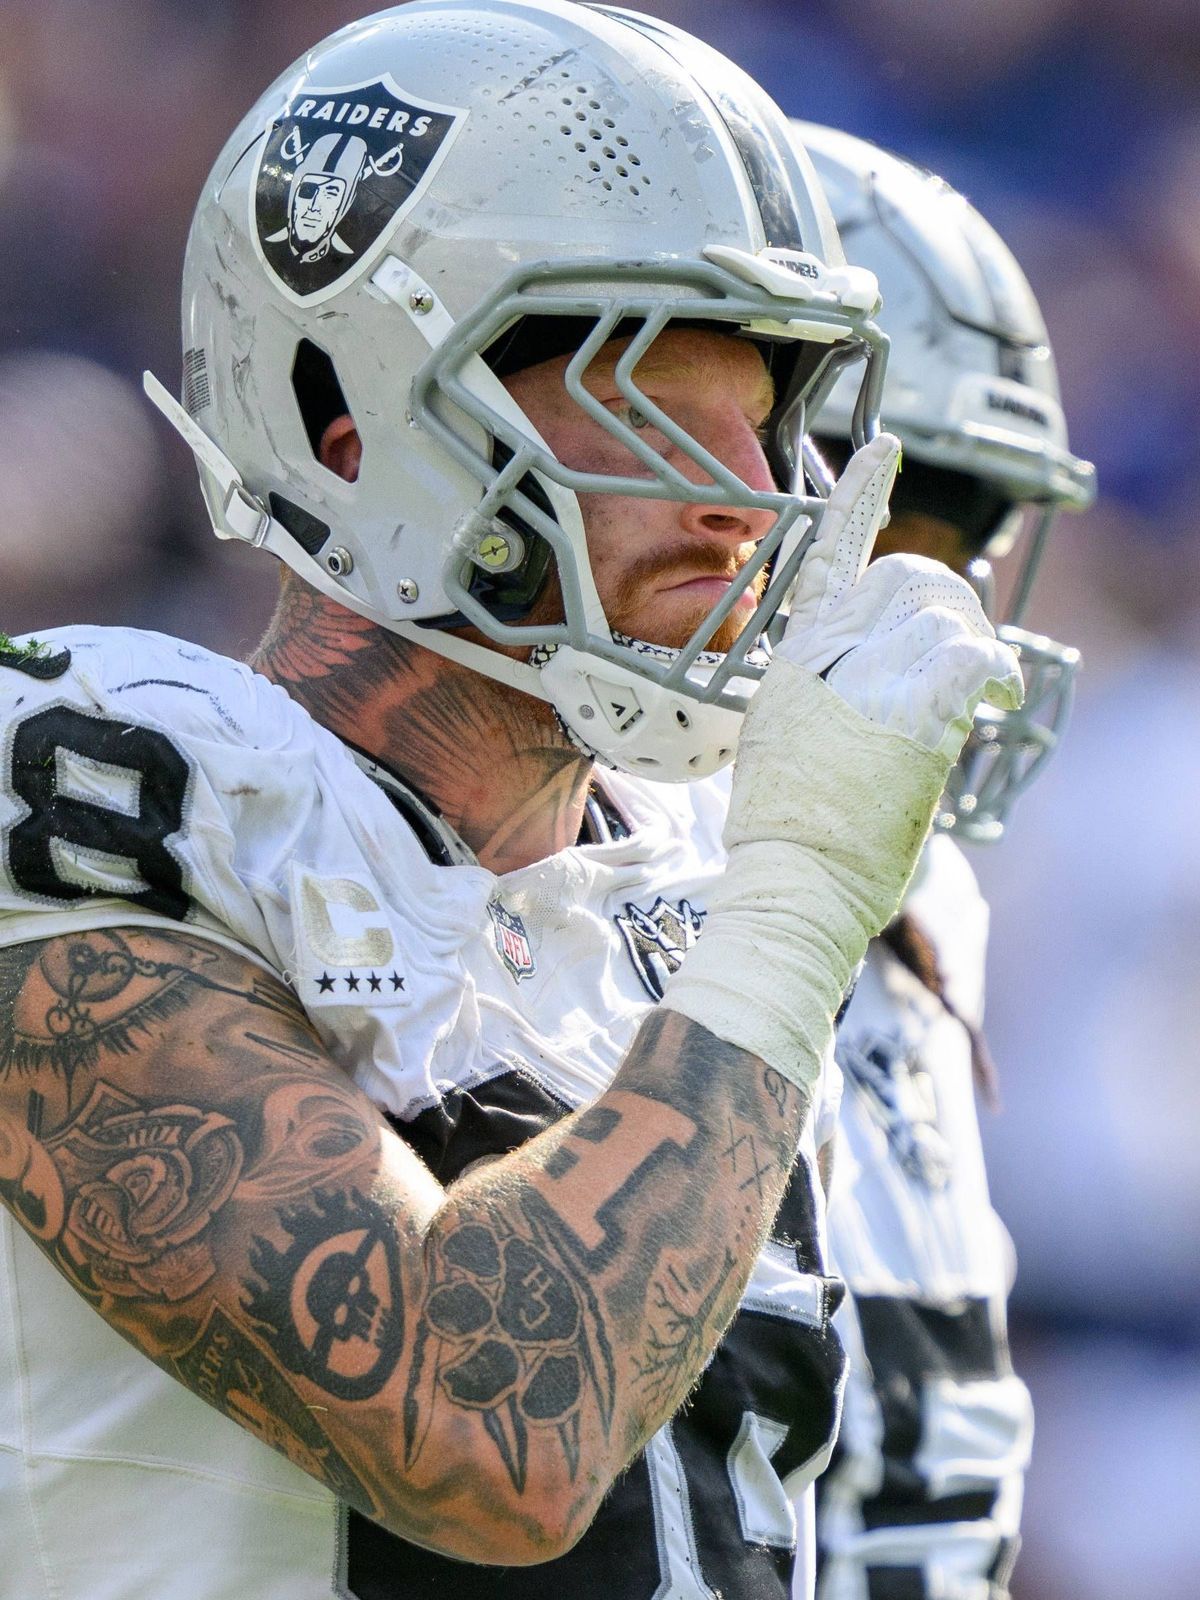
(973, 394)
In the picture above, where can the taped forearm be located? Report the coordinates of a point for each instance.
(826, 821)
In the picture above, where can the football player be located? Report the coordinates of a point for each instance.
(924, 1496)
(331, 1078)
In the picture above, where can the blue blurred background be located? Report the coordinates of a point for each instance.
(1075, 127)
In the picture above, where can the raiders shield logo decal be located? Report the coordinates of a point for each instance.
(658, 940)
(899, 1092)
(338, 169)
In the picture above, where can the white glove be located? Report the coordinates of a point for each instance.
(836, 781)
(904, 641)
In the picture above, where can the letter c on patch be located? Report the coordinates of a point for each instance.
(371, 946)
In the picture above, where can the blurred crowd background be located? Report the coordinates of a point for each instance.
(1075, 127)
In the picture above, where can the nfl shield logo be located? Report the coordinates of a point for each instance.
(512, 942)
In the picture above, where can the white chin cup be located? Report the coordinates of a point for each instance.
(636, 725)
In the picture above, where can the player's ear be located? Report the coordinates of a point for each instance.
(341, 448)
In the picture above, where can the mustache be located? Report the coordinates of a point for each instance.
(624, 606)
(683, 564)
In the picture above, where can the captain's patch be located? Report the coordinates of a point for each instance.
(658, 940)
(346, 951)
(338, 169)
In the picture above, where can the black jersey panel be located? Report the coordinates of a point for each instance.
(616, 1557)
(762, 1368)
(896, 1583)
(910, 1345)
(796, 1220)
(489, 1119)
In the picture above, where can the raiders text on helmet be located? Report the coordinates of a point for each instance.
(447, 183)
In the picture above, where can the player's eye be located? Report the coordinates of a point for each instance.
(636, 418)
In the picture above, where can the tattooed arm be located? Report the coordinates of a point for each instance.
(472, 1367)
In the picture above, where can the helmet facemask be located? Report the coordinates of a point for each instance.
(530, 510)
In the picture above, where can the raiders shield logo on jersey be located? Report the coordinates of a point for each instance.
(902, 1098)
(658, 940)
(338, 169)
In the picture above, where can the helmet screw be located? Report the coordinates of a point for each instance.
(407, 590)
(420, 301)
(587, 712)
(339, 561)
(499, 551)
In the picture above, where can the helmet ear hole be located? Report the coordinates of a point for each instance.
(318, 392)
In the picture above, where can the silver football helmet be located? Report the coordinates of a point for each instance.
(445, 182)
(971, 388)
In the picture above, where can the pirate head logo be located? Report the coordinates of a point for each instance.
(323, 188)
(338, 169)
(658, 940)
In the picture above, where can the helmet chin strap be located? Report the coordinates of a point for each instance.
(627, 721)
(635, 724)
(237, 514)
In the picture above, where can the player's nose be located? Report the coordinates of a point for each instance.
(735, 443)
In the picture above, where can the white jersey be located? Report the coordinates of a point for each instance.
(924, 1495)
(146, 781)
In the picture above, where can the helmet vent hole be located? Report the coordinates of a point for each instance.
(318, 392)
(578, 112)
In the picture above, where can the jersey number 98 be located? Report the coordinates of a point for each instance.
(103, 798)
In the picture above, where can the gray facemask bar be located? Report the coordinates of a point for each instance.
(807, 462)
(1035, 544)
(730, 304)
(1007, 750)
